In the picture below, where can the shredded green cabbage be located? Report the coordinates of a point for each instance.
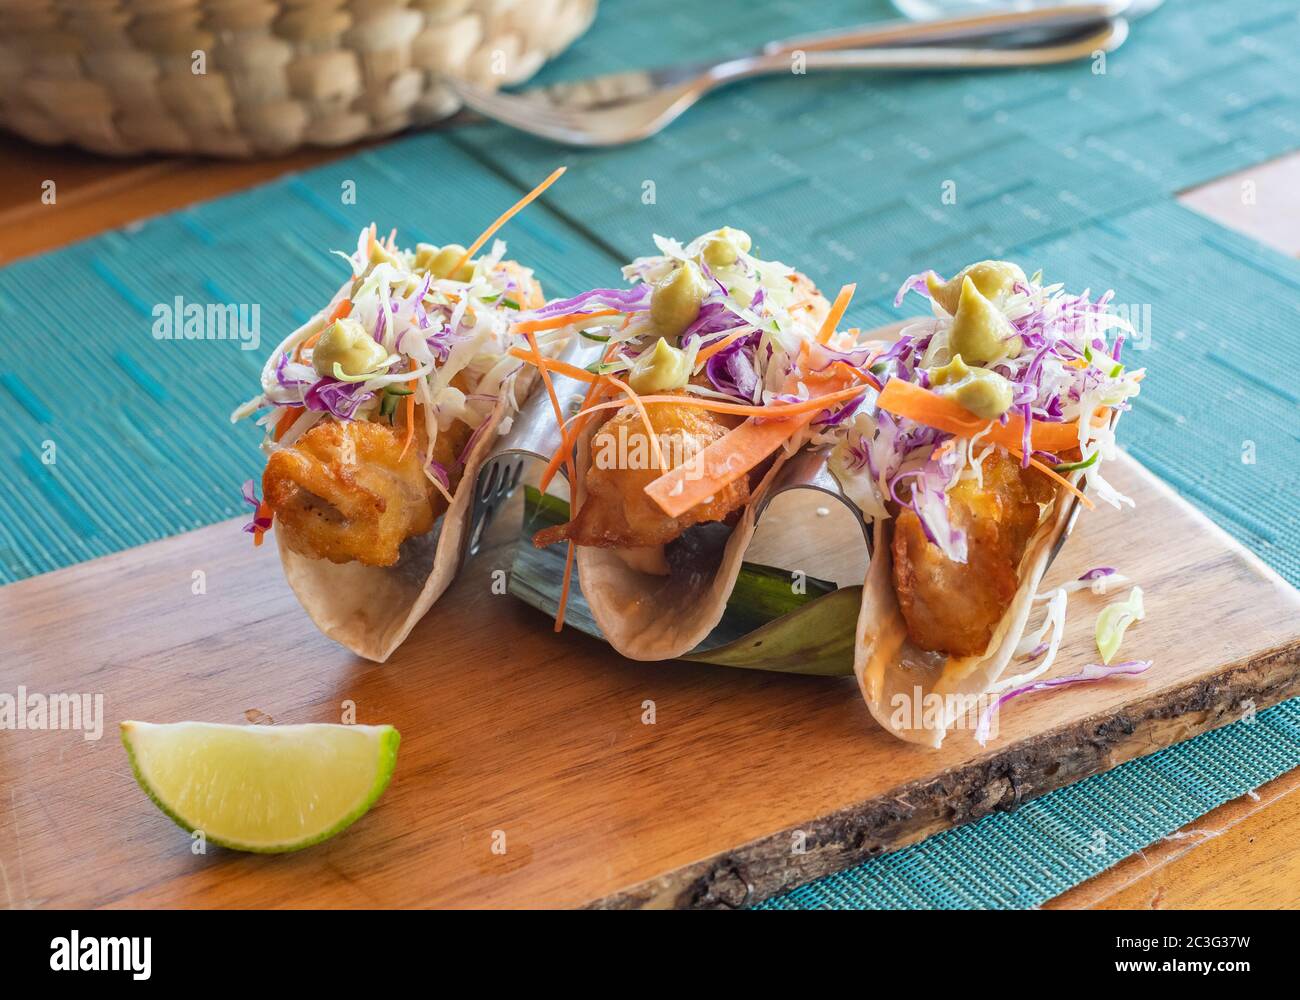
(1114, 620)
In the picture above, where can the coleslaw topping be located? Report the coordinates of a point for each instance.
(1044, 364)
(756, 320)
(443, 339)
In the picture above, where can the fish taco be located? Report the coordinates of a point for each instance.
(715, 366)
(995, 413)
(378, 413)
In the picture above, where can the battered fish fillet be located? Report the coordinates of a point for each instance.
(616, 512)
(342, 492)
(954, 607)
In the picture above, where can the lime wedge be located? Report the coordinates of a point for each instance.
(262, 788)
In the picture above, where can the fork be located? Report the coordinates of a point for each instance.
(533, 437)
(1018, 27)
(630, 120)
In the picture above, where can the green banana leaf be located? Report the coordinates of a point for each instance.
(816, 638)
(768, 623)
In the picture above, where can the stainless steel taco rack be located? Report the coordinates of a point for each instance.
(808, 469)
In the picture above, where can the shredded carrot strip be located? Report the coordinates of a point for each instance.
(564, 589)
(942, 449)
(287, 417)
(905, 399)
(833, 317)
(776, 411)
(908, 400)
(551, 364)
(1051, 473)
(595, 392)
(598, 390)
(506, 216)
(861, 374)
(555, 322)
(721, 463)
(558, 458)
(741, 449)
(546, 376)
(730, 457)
(410, 419)
(568, 460)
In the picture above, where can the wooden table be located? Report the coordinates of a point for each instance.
(1243, 854)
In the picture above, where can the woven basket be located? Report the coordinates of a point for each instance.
(239, 78)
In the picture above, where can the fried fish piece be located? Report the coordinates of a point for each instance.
(954, 607)
(344, 491)
(616, 512)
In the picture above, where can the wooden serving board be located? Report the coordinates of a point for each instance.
(508, 728)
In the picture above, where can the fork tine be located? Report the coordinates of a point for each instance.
(522, 112)
(574, 127)
(558, 133)
(601, 127)
(521, 118)
(513, 108)
(497, 481)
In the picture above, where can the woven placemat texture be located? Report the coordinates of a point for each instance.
(841, 175)
(851, 168)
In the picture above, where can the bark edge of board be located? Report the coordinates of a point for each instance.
(997, 782)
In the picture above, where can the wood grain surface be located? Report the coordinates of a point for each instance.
(509, 729)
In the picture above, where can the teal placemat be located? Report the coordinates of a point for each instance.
(839, 174)
(849, 168)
